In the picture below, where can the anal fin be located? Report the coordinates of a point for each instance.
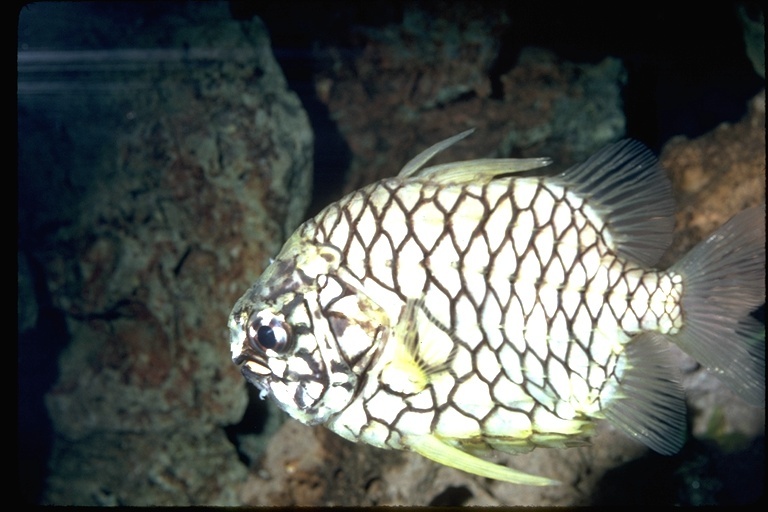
(441, 452)
(651, 405)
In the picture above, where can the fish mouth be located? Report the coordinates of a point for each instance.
(255, 368)
(257, 374)
(251, 367)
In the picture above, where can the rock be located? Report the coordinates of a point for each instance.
(752, 20)
(390, 102)
(167, 162)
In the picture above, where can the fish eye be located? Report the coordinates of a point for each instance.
(273, 335)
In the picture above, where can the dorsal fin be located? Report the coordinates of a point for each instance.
(626, 185)
(422, 158)
(469, 170)
(482, 170)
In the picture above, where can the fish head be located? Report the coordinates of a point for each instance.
(298, 340)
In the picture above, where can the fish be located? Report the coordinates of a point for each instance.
(481, 306)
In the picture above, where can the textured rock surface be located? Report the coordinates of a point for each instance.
(172, 172)
(390, 102)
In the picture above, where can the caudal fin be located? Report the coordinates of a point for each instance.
(723, 283)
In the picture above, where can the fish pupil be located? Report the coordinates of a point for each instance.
(266, 337)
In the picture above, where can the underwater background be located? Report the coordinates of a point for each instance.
(167, 149)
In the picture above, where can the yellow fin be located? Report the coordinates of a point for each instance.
(482, 170)
(424, 348)
(417, 162)
(430, 342)
(469, 171)
(439, 451)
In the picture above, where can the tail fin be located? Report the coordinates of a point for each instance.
(723, 282)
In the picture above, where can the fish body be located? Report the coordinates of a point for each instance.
(463, 308)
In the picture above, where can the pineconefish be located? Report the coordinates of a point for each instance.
(463, 308)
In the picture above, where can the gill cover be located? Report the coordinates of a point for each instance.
(306, 331)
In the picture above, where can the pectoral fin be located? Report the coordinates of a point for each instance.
(424, 349)
(439, 451)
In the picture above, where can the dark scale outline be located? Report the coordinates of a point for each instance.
(410, 236)
(450, 403)
(504, 369)
(475, 362)
(610, 377)
(369, 272)
(488, 297)
(435, 281)
(521, 252)
(407, 408)
(352, 223)
(397, 200)
(622, 278)
(603, 311)
(646, 304)
(506, 239)
(493, 259)
(344, 288)
(531, 248)
(361, 196)
(658, 276)
(412, 233)
(327, 231)
(319, 374)
(461, 380)
(354, 229)
(350, 362)
(377, 217)
(367, 408)
(575, 342)
(612, 364)
(492, 293)
(341, 210)
(505, 200)
(572, 316)
(477, 233)
(609, 367)
(678, 301)
(558, 235)
(495, 405)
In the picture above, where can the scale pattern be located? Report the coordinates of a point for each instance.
(465, 307)
(527, 303)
